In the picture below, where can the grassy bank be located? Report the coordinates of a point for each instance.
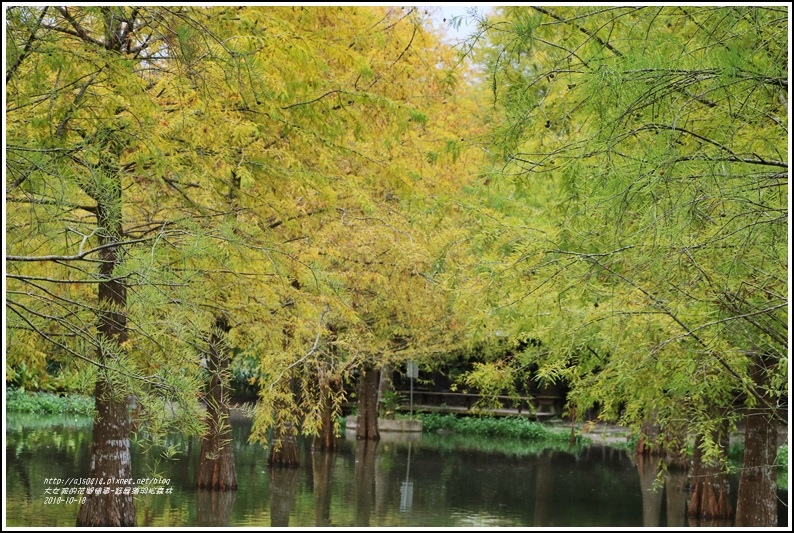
(488, 426)
(22, 401)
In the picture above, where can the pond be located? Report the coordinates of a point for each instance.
(404, 480)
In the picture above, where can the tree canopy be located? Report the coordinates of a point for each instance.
(600, 198)
(276, 166)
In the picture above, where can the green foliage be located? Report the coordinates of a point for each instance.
(782, 457)
(515, 446)
(257, 163)
(488, 426)
(22, 401)
(782, 467)
(633, 216)
(390, 401)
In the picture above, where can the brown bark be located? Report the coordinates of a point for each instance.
(110, 451)
(757, 499)
(216, 470)
(648, 442)
(284, 446)
(368, 404)
(710, 504)
(674, 446)
(110, 459)
(326, 440)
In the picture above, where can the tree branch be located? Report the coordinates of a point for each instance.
(28, 46)
(611, 48)
(311, 351)
(78, 256)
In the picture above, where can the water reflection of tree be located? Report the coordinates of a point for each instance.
(214, 508)
(647, 466)
(24, 479)
(675, 490)
(710, 505)
(544, 481)
(283, 488)
(322, 471)
(365, 479)
(658, 486)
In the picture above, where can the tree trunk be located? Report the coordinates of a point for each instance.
(216, 469)
(110, 451)
(110, 459)
(710, 504)
(648, 441)
(674, 446)
(284, 446)
(368, 405)
(757, 499)
(326, 440)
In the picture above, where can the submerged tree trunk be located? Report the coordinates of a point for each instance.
(757, 499)
(368, 404)
(284, 446)
(110, 459)
(110, 451)
(216, 469)
(283, 439)
(326, 440)
(674, 445)
(214, 508)
(648, 441)
(710, 504)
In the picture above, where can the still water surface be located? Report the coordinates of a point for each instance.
(424, 480)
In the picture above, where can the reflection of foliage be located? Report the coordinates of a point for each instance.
(55, 423)
(29, 433)
(21, 401)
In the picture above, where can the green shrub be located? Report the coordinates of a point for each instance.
(782, 456)
(491, 426)
(22, 401)
(782, 464)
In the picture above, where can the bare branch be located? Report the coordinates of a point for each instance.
(79, 256)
